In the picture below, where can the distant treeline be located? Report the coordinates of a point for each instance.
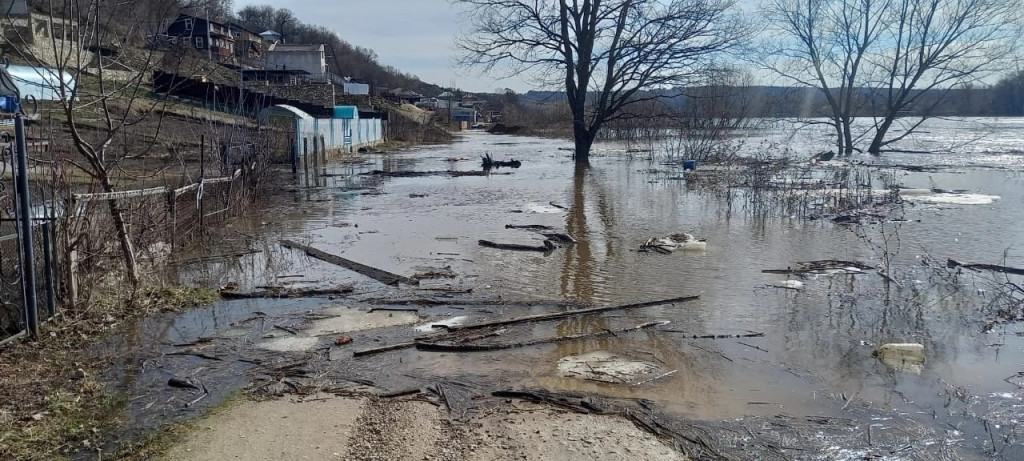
(1006, 98)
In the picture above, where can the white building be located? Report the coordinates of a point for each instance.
(310, 58)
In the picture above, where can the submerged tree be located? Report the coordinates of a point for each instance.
(605, 53)
(887, 58)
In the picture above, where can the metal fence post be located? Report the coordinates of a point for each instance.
(28, 273)
(295, 156)
(51, 296)
(305, 159)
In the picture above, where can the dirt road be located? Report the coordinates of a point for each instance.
(328, 427)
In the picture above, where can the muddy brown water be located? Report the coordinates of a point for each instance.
(816, 352)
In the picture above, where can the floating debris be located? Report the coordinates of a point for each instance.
(789, 284)
(448, 322)
(603, 366)
(683, 241)
(902, 356)
(938, 196)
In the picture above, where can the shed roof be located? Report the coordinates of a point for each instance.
(284, 110)
(282, 48)
(40, 82)
(346, 112)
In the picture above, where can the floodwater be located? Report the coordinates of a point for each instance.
(816, 353)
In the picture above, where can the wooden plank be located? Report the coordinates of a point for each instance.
(442, 347)
(382, 276)
(556, 315)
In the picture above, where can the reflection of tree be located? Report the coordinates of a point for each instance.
(579, 275)
(577, 279)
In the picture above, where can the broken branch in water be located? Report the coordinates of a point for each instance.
(439, 347)
(663, 375)
(286, 293)
(382, 276)
(951, 263)
(389, 347)
(417, 174)
(823, 266)
(748, 335)
(197, 354)
(535, 227)
(568, 313)
(547, 246)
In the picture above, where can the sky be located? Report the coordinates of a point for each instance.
(415, 36)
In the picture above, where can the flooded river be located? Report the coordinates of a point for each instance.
(815, 357)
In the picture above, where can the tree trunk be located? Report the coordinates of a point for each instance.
(847, 137)
(876, 143)
(583, 140)
(121, 227)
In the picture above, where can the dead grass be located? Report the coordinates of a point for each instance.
(52, 402)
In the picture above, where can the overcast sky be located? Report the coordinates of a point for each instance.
(415, 36)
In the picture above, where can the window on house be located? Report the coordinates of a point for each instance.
(199, 42)
(188, 24)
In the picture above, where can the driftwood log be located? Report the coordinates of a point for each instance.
(441, 347)
(286, 293)
(568, 313)
(382, 276)
(534, 227)
(951, 263)
(547, 246)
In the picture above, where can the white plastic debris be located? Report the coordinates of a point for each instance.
(902, 356)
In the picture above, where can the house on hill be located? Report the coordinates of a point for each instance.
(204, 35)
(248, 45)
(271, 36)
(404, 96)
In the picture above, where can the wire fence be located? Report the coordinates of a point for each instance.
(80, 229)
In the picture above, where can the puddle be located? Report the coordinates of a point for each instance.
(346, 320)
(605, 367)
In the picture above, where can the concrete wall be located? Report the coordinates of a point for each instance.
(345, 135)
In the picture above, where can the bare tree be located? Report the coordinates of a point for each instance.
(92, 54)
(604, 53)
(881, 57)
(939, 44)
(827, 44)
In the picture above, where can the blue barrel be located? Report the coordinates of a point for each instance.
(689, 165)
